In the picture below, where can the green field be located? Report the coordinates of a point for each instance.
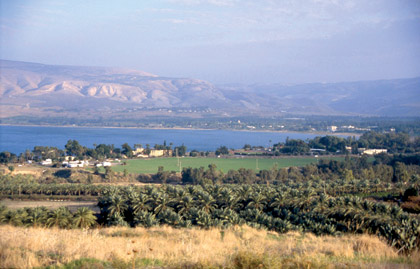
(171, 164)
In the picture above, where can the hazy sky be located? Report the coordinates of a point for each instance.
(223, 41)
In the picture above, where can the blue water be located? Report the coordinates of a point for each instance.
(17, 139)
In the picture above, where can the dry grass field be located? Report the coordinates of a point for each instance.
(165, 247)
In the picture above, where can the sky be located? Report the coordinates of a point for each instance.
(221, 41)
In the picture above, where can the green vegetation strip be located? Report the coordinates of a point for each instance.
(171, 164)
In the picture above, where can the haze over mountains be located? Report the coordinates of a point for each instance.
(48, 90)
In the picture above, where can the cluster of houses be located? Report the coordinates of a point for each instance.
(70, 162)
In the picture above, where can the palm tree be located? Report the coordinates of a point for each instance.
(61, 217)
(3, 213)
(16, 218)
(117, 207)
(204, 219)
(206, 202)
(84, 218)
(184, 204)
(278, 201)
(141, 203)
(162, 203)
(257, 201)
(229, 200)
(170, 217)
(37, 216)
(145, 219)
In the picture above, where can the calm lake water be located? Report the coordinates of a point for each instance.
(17, 139)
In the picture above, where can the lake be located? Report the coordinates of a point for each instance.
(17, 139)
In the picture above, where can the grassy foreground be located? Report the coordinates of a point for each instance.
(238, 247)
(171, 164)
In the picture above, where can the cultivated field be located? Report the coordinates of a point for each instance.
(161, 247)
(224, 164)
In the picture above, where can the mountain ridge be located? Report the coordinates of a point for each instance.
(32, 88)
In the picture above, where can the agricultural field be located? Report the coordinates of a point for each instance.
(224, 164)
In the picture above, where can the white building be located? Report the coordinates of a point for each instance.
(74, 164)
(103, 164)
(46, 162)
(374, 151)
(332, 128)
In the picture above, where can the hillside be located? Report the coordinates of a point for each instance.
(33, 87)
(65, 91)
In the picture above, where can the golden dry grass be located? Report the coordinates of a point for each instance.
(236, 247)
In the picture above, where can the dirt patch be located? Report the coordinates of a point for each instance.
(28, 170)
(71, 205)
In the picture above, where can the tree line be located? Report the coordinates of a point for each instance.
(43, 217)
(392, 142)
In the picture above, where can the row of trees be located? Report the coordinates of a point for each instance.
(393, 142)
(391, 171)
(18, 186)
(43, 217)
(27, 185)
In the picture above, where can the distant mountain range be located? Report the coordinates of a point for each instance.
(52, 90)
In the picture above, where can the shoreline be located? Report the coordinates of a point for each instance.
(189, 129)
